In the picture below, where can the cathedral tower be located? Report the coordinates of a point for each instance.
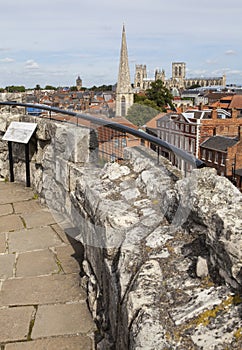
(78, 83)
(124, 91)
(140, 75)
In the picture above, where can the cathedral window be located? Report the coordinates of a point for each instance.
(123, 106)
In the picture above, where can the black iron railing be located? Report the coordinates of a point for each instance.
(112, 136)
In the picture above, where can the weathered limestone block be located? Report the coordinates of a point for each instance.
(155, 244)
(213, 202)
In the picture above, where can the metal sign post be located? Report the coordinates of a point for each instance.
(10, 156)
(19, 132)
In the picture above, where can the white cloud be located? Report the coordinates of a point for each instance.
(56, 38)
(230, 52)
(7, 60)
(210, 61)
(31, 64)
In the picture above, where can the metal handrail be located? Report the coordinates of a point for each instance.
(115, 126)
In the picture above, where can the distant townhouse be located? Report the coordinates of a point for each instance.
(225, 155)
(189, 129)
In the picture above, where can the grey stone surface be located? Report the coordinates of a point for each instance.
(26, 206)
(2, 243)
(61, 234)
(202, 267)
(14, 193)
(6, 209)
(41, 290)
(70, 257)
(38, 218)
(33, 239)
(36, 263)
(53, 320)
(10, 223)
(14, 323)
(7, 263)
(80, 342)
(31, 276)
(142, 253)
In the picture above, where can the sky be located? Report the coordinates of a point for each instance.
(53, 41)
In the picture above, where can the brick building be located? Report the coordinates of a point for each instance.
(188, 130)
(225, 155)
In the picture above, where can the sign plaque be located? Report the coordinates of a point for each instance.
(19, 132)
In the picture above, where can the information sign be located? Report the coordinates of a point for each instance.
(19, 132)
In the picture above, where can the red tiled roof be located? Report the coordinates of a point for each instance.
(236, 102)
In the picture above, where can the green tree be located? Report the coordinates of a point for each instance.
(160, 95)
(13, 88)
(140, 113)
(73, 88)
(50, 87)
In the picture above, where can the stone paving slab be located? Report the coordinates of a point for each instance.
(6, 209)
(36, 263)
(7, 262)
(40, 284)
(13, 192)
(80, 342)
(52, 320)
(58, 288)
(2, 243)
(10, 223)
(26, 207)
(66, 239)
(33, 239)
(38, 218)
(14, 323)
(66, 254)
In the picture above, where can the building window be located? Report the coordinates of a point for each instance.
(116, 143)
(124, 142)
(203, 154)
(182, 127)
(187, 128)
(192, 146)
(216, 158)
(210, 154)
(172, 139)
(223, 159)
(186, 143)
(193, 129)
(123, 106)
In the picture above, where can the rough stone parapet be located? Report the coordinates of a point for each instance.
(162, 252)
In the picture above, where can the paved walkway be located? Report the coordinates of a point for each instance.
(42, 305)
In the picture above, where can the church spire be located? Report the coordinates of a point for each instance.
(124, 93)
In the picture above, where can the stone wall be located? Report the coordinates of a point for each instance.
(163, 260)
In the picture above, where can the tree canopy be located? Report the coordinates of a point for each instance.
(13, 88)
(140, 113)
(160, 95)
(50, 87)
(148, 105)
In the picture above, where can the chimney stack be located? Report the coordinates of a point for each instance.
(234, 113)
(214, 113)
